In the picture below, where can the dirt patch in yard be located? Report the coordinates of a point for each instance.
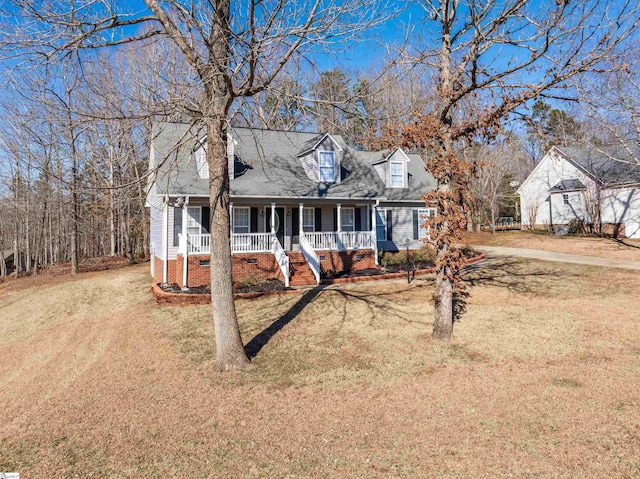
(541, 380)
(625, 249)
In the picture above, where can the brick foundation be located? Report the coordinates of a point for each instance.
(260, 265)
(265, 266)
(335, 261)
(171, 270)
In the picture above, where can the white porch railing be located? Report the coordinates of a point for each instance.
(199, 244)
(251, 242)
(281, 258)
(340, 241)
(310, 256)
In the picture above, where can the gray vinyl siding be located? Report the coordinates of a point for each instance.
(155, 231)
(310, 166)
(381, 169)
(402, 226)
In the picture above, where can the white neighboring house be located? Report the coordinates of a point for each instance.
(602, 189)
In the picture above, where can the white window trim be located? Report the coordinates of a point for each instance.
(333, 157)
(342, 216)
(403, 175)
(382, 214)
(313, 220)
(565, 199)
(248, 210)
(428, 213)
(199, 208)
(200, 157)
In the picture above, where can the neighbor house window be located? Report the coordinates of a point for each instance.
(565, 199)
(397, 174)
(308, 220)
(381, 225)
(194, 220)
(241, 220)
(327, 167)
(347, 219)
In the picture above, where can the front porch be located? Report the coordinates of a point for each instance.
(200, 244)
(284, 239)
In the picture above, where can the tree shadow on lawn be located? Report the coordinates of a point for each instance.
(518, 276)
(523, 277)
(339, 300)
(623, 243)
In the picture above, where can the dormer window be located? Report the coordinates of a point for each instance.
(200, 155)
(327, 166)
(397, 174)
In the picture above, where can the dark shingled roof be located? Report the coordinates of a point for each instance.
(568, 185)
(615, 166)
(267, 164)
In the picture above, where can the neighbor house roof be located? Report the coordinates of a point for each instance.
(267, 164)
(568, 185)
(612, 166)
(7, 254)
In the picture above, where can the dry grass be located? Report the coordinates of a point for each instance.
(541, 380)
(591, 246)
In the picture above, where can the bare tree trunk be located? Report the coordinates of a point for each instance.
(493, 220)
(74, 189)
(230, 352)
(443, 307)
(112, 220)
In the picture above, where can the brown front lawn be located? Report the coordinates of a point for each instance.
(542, 379)
(622, 248)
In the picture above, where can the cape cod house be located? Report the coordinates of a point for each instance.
(595, 187)
(302, 205)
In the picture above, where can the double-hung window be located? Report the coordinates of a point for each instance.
(397, 174)
(308, 220)
(423, 216)
(347, 219)
(381, 224)
(241, 220)
(194, 220)
(565, 199)
(327, 167)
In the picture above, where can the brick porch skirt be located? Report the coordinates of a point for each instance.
(261, 265)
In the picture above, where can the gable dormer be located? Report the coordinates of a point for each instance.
(393, 169)
(200, 157)
(321, 159)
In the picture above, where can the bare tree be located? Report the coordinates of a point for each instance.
(233, 49)
(489, 59)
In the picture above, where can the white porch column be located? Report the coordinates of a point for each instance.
(185, 217)
(300, 219)
(374, 231)
(165, 237)
(273, 218)
(230, 228)
(339, 219)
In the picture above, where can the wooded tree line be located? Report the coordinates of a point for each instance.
(477, 88)
(99, 151)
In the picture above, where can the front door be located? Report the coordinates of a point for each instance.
(279, 220)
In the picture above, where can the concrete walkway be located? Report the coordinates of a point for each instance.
(560, 257)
